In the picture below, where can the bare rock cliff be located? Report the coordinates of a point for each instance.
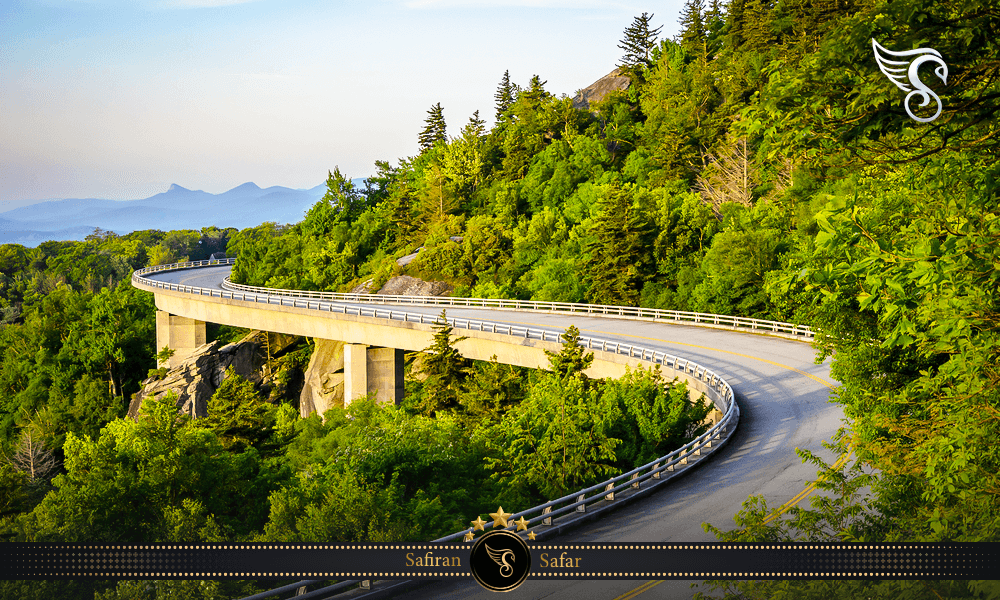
(324, 379)
(199, 375)
(595, 92)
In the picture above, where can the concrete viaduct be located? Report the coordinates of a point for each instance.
(783, 395)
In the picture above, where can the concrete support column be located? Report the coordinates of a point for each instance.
(355, 372)
(385, 374)
(180, 334)
(376, 371)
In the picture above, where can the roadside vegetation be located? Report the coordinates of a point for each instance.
(758, 165)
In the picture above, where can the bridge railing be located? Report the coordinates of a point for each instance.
(716, 388)
(678, 316)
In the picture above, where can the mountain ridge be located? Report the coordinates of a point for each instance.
(176, 208)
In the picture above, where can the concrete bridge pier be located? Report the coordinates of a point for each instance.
(180, 334)
(370, 370)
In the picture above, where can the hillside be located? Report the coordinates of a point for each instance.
(760, 165)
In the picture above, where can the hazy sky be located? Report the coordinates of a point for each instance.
(120, 98)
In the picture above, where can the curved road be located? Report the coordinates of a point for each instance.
(785, 401)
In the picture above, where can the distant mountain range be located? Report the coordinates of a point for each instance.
(243, 206)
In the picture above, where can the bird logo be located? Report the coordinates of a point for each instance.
(904, 73)
(500, 558)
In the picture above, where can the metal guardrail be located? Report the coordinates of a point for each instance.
(678, 316)
(718, 389)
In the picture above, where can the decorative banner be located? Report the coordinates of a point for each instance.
(492, 553)
(904, 73)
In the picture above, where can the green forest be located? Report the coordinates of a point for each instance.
(759, 164)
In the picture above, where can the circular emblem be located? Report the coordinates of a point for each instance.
(500, 560)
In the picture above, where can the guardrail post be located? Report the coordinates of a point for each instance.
(656, 474)
(611, 496)
(366, 584)
(547, 520)
(635, 484)
(582, 507)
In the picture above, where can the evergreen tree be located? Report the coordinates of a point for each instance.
(758, 26)
(620, 258)
(475, 128)
(573, 359)
(535, 92)
(693, 34)
(505, 95)
(715, 22)
(445, 369)
(735, 24)
(435, 129)
(638, 45)
(240, 417)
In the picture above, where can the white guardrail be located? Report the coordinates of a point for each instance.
(568, 507)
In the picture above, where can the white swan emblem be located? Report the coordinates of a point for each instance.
(500, 558)
(906, 77)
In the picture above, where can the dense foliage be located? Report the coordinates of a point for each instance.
(758, 165)
(73, 469)
(761, 165)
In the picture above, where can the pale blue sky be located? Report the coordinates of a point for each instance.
(118, 99)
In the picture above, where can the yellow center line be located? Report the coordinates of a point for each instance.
(639, 590)
(779, 511)
(662, 341)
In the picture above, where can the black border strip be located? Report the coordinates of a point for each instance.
(442, 561)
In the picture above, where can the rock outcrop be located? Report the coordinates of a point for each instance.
(324, 379)
(197, 377)
(404, 285)
(595, 92)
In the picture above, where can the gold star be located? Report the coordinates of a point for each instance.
(531, 535)
(522, 524)
(500, 518)
(469, 536)
(477, 525)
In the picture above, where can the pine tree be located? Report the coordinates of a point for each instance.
(638, 45)
(435, 129)
(573, 360)
(693, 34)
(505, 96)
(715, 22)
(536, 89)
(620, 261)
(445, 369)
(475, 128)
(758, 27)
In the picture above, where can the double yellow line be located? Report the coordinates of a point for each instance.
(805, 492)
(641, 589)
(784, 507)
(774, 515)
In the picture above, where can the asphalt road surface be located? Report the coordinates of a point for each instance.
(785, 401)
